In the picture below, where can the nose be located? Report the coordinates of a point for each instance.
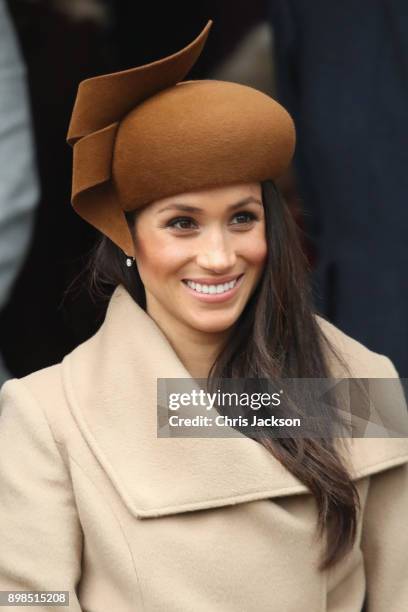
(217, 253)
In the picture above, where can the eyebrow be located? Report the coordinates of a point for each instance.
(196, 209)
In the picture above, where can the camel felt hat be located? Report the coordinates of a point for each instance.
(144, 134)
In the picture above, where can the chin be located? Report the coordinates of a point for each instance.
(214, 324)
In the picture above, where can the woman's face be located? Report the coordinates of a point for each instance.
(201, 254)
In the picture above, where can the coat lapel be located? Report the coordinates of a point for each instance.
(110, 383)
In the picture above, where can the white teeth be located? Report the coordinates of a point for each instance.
(201, 288)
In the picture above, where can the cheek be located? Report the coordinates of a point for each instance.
(255, 249)
(157, 256)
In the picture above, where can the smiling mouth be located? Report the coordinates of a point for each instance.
(212, 289)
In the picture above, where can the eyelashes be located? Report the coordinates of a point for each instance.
(188, 223)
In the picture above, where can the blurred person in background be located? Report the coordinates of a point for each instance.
(62, 43)
(18, 178)
(342, 70)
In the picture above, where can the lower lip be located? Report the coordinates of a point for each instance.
(215, 297)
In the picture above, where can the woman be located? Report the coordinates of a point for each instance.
(210, 282)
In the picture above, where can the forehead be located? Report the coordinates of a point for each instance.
(211, 198)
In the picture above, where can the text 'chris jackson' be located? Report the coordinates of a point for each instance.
(208, 401)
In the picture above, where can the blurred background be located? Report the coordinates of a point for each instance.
(340, 68)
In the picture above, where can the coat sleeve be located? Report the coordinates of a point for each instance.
(41, 538)
(385, 541)
(385, 536)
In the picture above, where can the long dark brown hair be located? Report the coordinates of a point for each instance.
(276, 337)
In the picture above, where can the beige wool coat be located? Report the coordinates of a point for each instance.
(91, 501)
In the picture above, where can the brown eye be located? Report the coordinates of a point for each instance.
(243, 217)
(181, 223)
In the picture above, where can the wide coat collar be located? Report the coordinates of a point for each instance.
(110, 383)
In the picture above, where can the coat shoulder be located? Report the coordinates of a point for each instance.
(350, 358)
(44, 382)
(374, 452)
(44, 387)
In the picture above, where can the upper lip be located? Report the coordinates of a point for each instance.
(218, 280)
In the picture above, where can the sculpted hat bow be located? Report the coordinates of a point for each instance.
(144, 134)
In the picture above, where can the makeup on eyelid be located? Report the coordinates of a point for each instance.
(250, 217)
